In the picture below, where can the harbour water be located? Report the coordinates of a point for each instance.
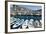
(23, 21)
(35, 17)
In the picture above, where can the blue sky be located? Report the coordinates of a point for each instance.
(31, 7)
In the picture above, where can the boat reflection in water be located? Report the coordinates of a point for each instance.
(25, 22)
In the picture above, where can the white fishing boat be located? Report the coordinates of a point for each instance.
(40, 20)
(25, 24)
(37, 23)
(30, 24)
(18, 23)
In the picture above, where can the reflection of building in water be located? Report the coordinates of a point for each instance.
(18, 10)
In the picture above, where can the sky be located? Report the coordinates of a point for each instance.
(31, 7)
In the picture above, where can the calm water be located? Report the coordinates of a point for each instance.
(35, 17)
